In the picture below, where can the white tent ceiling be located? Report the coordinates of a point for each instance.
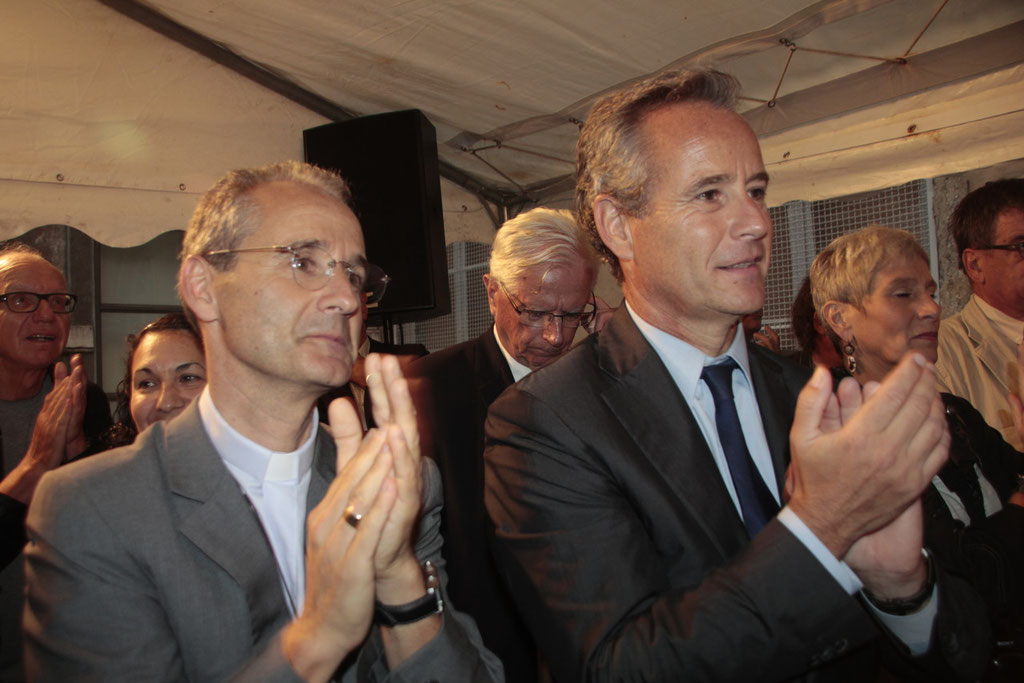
(113, 127)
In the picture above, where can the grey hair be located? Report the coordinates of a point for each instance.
(227, 212)
(540, 236)
(612, 155)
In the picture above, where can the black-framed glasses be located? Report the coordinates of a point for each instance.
(532, 318)
(312, 266)
(1013, 246)
(26, 302)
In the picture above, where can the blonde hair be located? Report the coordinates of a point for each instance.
(845, 270)
(539, 237)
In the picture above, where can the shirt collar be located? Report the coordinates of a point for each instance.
(519, 370)
(258, 462)
(685, 361)
(1008, 325)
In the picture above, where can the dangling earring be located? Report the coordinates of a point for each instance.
(849, 360)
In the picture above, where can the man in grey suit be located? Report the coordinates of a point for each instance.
(636, 483)
(182, 556)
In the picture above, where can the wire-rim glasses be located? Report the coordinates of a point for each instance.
(532, 318)
(312, 266)
(27, 302)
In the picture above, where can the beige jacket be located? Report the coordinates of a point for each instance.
(979, 363)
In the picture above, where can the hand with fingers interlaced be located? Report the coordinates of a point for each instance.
(360, 537)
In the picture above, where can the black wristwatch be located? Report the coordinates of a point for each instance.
(910, 605)
(420, 608)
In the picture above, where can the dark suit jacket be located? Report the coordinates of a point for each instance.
(989, 552)
(626, 552)
(146, 563)
(345, 390)
(453, 389)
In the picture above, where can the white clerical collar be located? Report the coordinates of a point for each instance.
(519, 370)
(1007, 324)
(685, 361)
(258, 462)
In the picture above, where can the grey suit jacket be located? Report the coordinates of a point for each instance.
(146, 563)
(626, 552)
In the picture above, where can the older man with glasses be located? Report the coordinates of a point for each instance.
(979, 346)
(48, 413)
(540, 292)
(242, 540)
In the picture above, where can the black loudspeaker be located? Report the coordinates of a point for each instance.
(390, 163)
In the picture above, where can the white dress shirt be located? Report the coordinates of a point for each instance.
(276, 485)
(519, 370)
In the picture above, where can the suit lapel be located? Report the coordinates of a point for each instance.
(989, 345)
(218, 520)
(775, 406)
(647, 402)
(491, 371)
(323, 469)
(491, 376)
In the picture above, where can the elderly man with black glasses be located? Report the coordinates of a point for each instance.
(242, 540)
(48, 413)
(540, 292)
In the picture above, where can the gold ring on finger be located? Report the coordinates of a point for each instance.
(352, 517)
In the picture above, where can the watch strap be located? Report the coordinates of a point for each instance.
(914, 603)
(420, 608)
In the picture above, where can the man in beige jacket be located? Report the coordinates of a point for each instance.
(978, 347)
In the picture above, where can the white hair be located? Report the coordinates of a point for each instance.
(540, 236)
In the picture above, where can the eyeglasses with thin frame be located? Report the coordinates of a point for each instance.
(532, 318)
(1013, 246)
(312, 266)
(26, 302)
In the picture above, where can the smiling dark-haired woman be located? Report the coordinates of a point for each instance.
(164, 371)
(875, 293)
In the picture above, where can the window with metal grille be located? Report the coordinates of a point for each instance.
(467, 263)
(802, 229)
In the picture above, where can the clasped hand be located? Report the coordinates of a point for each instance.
(350, 563)
(860, 461)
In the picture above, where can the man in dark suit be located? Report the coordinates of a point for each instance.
(539, 289)
(240, 540)
(635, 485)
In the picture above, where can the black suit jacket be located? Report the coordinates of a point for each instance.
(989, 552)
(625, 551)
(345, 390)
(453, 389)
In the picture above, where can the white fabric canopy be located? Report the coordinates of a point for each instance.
(115, 129)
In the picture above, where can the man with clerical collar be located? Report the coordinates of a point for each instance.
(240, 540)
